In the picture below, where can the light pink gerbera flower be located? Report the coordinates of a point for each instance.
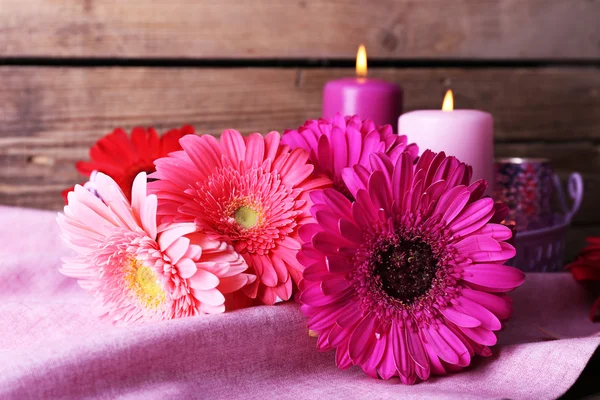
(140, 272)
(344, 142)
(407, 280)
(250, 192)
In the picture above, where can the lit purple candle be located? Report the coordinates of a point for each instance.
(369, 98)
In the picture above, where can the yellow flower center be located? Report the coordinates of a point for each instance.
(246, 217)
(143, 282)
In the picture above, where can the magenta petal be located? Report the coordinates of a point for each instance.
(338, 264)
(387, 367)
(338, 203)
(496, 231)
(362, 340)
(487, 318)
(325, 157)
(402, 360)
(464, 357)
(473, 214)
(459, 318)
(442, 349)
(326, 316)
(334, 286)
(494, 276)
(307, 231)
(402, 178)
(315, 272)
(480, 335)
(350, 231)
(328, 221)
(339, 150)
(506, 252)
(477, 243)
(342, 357)
(454, 208)
(415, 348)
(326, 243)
(378, 192)
(496, 304)
(313, 295)
(371, 363)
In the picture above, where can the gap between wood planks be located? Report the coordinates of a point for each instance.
(289, 63)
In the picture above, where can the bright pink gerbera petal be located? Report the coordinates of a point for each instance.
(250, 192)
(409, 279)
(123, 158)
(140, 272)
(342, 142)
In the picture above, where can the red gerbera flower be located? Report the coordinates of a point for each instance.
(122, 157)
(586, 268)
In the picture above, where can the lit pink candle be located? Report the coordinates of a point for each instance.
(466, 134)
(369, 98)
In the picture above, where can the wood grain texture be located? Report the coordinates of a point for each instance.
(391, 29)
(50, 116)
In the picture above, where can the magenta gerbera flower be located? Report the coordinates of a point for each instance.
(137, 270)
(344, 142)
(408, 280)
(250, 192)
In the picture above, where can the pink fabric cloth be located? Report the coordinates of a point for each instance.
(51, 347)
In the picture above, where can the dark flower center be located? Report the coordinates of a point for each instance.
(406, 268)
(341, 187)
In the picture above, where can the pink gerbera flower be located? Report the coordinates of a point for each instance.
(140, 272)
(407, 280)
(250, 192)
(344, 142)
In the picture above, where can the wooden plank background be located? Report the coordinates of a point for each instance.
(71, 70)
(472, 29)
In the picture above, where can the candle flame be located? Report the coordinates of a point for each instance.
(361, 61)
(448, 104)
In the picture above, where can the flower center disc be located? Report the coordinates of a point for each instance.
(144, 283)
(246, 217)
(406, 268)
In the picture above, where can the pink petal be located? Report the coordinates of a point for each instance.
(138, 192)
(203, 280)
(178, 249)
(186, 268)
(233, 146)
(211, 297)
(255, 149)
(173, 232)
(148, 215)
